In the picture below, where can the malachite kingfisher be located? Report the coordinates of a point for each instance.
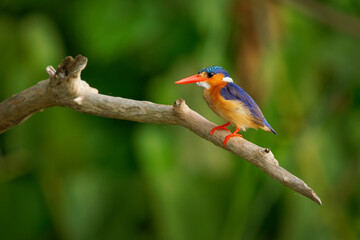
(229, 101)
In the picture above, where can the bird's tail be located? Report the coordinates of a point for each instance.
(269, 127)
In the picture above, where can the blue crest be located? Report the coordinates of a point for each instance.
(215, 70)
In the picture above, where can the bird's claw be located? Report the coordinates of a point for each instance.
(230, 136)
(220, 127)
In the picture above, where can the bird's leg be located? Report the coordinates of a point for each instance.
(220, 127)
(234, 134)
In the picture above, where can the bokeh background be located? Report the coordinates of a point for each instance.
(67, 175)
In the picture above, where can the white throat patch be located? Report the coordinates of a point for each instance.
(203, 85)
(227, 79)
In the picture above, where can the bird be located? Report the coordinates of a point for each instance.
(229, 101)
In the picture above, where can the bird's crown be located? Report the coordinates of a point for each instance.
(214, 70)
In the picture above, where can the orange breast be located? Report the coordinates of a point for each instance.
(232, 111)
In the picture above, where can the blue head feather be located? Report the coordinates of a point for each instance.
(215, 70)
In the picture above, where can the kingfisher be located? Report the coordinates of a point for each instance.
(229, 101)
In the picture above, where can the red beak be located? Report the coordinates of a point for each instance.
(191, 79)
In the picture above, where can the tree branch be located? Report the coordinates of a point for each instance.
(65, 88)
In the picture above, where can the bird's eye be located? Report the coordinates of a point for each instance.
(210, 74)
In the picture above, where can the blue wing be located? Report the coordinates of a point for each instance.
(233, 92)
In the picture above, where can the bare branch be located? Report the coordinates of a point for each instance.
(65, 88)
(19, 107)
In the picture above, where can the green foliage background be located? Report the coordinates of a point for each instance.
(67, 175)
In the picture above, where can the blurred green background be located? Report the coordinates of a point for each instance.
(67, 175)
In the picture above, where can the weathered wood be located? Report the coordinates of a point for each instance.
(65, 88)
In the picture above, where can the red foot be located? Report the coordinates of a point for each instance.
(220, 127)
(234, 134)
